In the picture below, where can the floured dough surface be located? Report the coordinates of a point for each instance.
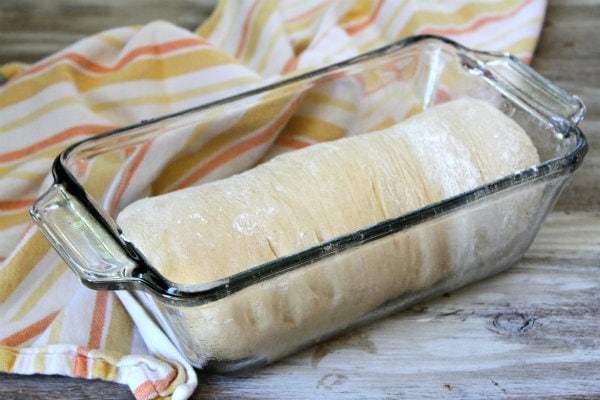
(305, 197)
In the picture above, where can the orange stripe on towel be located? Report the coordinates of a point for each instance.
(33, 330)
(358, 27)
(98, 320)
(149, 389)
(239, 148)
(88, 65)
(15, 205)
(478, 23)
(246, 29)
(128, 174)
(80, 367)
(64, 136)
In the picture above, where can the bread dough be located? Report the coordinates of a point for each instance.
(303, 198)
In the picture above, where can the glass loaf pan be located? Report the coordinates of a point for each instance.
(246, 320)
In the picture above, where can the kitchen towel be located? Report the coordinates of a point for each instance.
(49, 322)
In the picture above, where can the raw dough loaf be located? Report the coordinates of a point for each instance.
(302, 198)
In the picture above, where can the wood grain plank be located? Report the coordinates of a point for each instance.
(569, 55)
(21, 387)
(33, 29)
(531, 332)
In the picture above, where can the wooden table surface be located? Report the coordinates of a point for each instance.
(532, 332)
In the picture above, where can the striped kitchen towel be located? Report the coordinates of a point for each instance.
(49, 322)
